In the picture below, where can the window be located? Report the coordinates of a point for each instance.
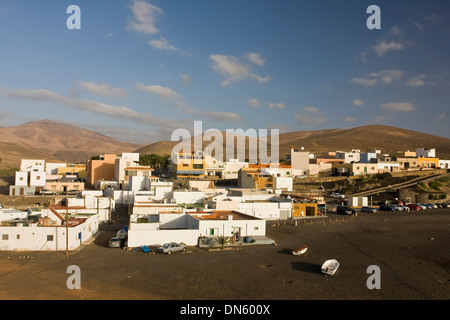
(255, 228)
(18, 237)
(50, 237)
(38, 177)
(21, 178)
(198, 166)
(4, 237)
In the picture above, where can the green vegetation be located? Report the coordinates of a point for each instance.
(6, 172)
(441, 196)
(382, 176)
(435, 185)
(154, 160)
(222, 240)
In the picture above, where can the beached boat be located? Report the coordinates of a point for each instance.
(300, 250)
(121, 234)
(330, 266)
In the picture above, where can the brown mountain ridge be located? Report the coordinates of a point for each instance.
(50, 140)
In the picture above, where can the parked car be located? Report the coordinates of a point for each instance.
(337, 195)
(431, 206)
(386, 208)
(345, 210)
(424, 207)
(172, 247)
(414, 207)
(405, 208)
(47, 192)
(114, 242)
(73, 192)
(368, 209)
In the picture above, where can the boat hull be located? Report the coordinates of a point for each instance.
(330, 267)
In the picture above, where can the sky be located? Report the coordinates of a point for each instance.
(138, 70)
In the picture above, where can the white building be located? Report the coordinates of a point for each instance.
(232, 167)
(51, 168)
(444, 164)
(47, 232)
(122, 162)
(30, 180)
(426, 153)
(188, 227)
(263, 209)
(32, 165)
(349, 157)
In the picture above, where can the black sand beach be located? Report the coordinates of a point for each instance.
(410, 249)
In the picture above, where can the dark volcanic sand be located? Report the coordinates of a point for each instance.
(411, 249)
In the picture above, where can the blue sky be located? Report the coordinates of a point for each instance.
(137, 70)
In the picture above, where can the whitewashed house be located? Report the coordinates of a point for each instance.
(47, 231)
(30, 179)
(188, 227)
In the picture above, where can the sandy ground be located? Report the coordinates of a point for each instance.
(411, 250)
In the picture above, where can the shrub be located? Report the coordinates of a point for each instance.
(435, 185)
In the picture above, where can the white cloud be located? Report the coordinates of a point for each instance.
(163, 92)
(383, 47)
(417, 81)
(418, 26)
(162, 44)
(441, 116)
(395, 31)
(358, 102)
(398, 106)
(178, 101)
(278, 105)
(311, 109)
(432, 17)
(255, 58)
(120, 112)
(365, 82)
(144, 17)
(104, 89)
(349, 119)
(312, 115)
(387, 76)
(185, 79)
(380, 118)
(253, 102)
(233, 69)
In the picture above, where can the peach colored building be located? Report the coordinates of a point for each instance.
(60, 186)
(103, 169)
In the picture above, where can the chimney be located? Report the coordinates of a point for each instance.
(230, 217)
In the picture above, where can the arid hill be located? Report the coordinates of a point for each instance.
(385, 138)
(50, 140)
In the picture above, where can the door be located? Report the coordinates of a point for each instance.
(236, 234)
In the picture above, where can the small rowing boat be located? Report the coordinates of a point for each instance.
(330, 266)
(299, 251)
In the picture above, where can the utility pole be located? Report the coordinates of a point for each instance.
(67, 227)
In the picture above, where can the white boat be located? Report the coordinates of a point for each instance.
(330, 266)
(299, 251)
(121, 234)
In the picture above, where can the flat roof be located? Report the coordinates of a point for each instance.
(221, 215)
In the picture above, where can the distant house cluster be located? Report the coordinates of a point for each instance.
(194, 211)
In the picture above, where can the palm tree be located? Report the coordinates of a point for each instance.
(222, 240)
